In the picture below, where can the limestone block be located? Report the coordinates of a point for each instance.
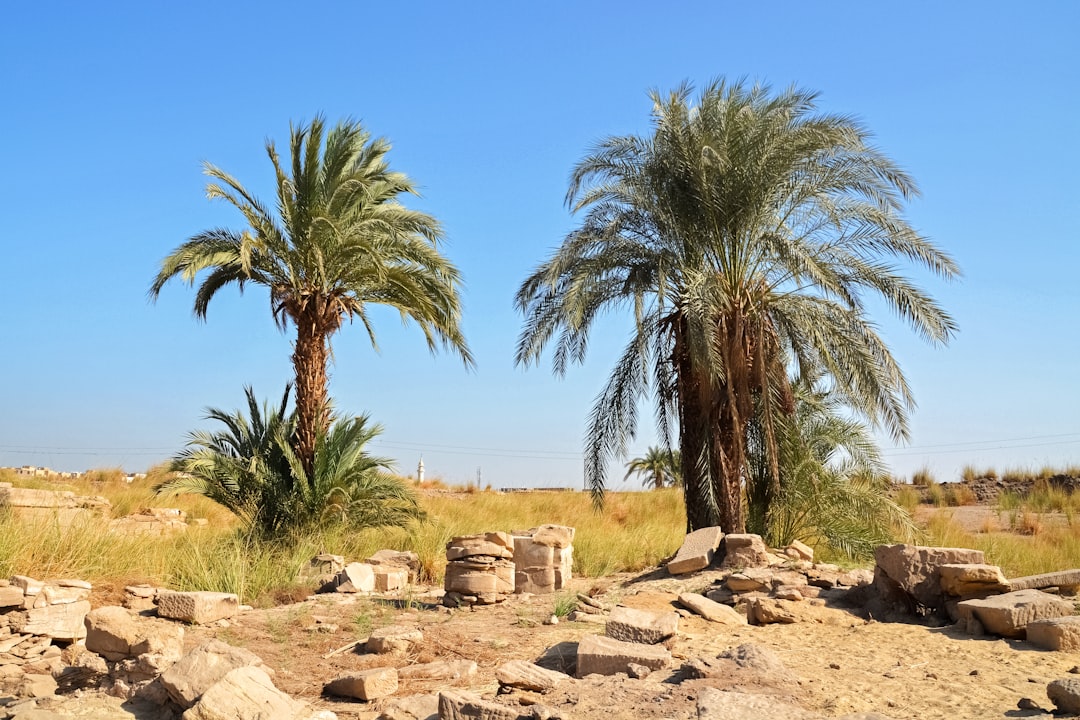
(913, 572)
(641, 626)
(471, 579)
(116, 634)
(564, 566)
(365, 684)
(535, 580)
(355, 578)
(245, 693)
(60, 622)
(197, 607)
(393, 638)
(495, 544)
(439, 670)
(556, 536)
(322, 567)
(1065, 694)
(1066, 579)
(607, 656)
(198, 671)
(799, 550)
(972, 579)
(1061, 633)
(528, 553)
(455, 705)
(749, 580)
(697, 551)
(413, 707)
(389, 578)
(711, 610)
(745, 551)
(766, 611)
(11, 596)
(398, 558)
(525, 675)
(59, 594)
(1008, 615)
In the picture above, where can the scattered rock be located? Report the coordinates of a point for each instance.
(466, 706)
(745, 551)
(1065, 694)
(607, 656)
(439, 670)
(697, 551)
(197, 608)
(365, 685)
(528, 676)
(413, 707)
(641, 626)
(714, 704)
(246, 693)
(198, 671)
(354, 578)
(711, 610)
(970, 579)
(1008, 615)
(799, 550)
(393, 639)
(907, 577)
(1061, 633)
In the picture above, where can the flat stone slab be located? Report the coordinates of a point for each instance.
(607, 656)
(439, 670)
(1061, 633)
(528, 676)
(959, 580)
(365, 684)
(711, 610)
(197, 608)
(697, 551)
(1008, 615)
(1059, 579)
(641, 626)
(60, 622)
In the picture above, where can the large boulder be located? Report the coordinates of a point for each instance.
(115, 633)
(246, 693)
(908, 578)
(198, 671)
(1008, 615)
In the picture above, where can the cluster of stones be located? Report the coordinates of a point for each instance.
(487, 568)
(37, 620)
(385, 571)
(154, 522)
(63, 507)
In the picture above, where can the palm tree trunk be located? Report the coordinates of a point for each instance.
(312, 412)
(693, 392)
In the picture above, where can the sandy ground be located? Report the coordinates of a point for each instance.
(837, 662)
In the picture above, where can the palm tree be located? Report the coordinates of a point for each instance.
(659, 467)
(745, 233)
(339, 240)
(834, 486)
(251, 469)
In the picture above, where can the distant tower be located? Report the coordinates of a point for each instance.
(420, 470)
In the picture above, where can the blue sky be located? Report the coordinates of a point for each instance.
(110, 109)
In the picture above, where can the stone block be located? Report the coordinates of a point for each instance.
(389, 578)
(413, 707)
(11, 596)
(910, 574)
(470, 578)
(799, 550)
(745, 551)
(365, 684)
(766, 611)
(525, 675)
(713, 704)
(60, 622)
(556, 536)
(535, 580)
(355, 578)
(1008, 615)
(246, 693)
(606, 656)
(711, 610)
(1062, 633)
(641, 626)
(1065, 579)
(1065, 694)
(750, 580)
(54, 594)
(439, 670)
(564, 566)
(455, 705)
(972, 579)
(697, 551)
(528, 553)
(399, 559)
(393, 639)
(198, 608)
(495, 544)
(198, 671)
(116, 634)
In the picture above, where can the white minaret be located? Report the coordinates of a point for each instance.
(420, 470)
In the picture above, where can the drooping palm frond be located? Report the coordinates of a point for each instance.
(745, 231)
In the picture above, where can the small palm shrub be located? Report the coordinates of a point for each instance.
(251, 468)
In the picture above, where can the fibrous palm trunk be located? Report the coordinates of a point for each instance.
(693, 403)
(312, 412)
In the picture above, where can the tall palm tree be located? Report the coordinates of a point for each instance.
(339, 240)
(744, 231)
(658, 467)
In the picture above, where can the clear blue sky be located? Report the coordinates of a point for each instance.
(110, 108)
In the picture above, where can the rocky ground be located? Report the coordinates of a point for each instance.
(833, 661)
